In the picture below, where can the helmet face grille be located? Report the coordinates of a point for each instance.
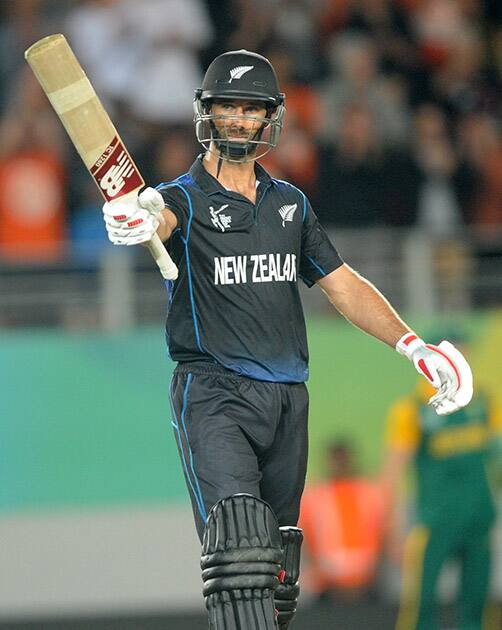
(239, 75)
(257, 144)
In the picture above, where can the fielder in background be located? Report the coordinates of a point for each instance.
(455, 510)
(241, 241)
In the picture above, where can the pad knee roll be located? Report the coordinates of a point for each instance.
(241, 560)
(286, 594)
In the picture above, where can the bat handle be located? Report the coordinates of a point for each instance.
(167, 267)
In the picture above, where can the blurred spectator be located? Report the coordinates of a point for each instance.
(353, 174)
(296, 158)
(342, 522)
(355, 79)
(438, 209)
(480, 151)
(461, 84)
(440, 213)
(455, 510)
(479, 185)
(387, 23)
(303, 104)
(333, 16)
(144, 55)
(98, 34)
(295, 27)
(224, 16)
(32, 178)
(254, 25)
(169, 35)
(172, 154)
(438, 25)
(21, 24)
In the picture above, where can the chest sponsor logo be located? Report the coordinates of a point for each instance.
(459, 439)
(220, 220)
(287, 213)
(255, 268)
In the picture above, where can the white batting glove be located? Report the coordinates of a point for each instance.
(135, 220)
(444, 367)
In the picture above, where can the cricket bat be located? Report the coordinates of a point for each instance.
(92, 132)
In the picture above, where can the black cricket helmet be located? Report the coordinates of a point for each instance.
(239, 75)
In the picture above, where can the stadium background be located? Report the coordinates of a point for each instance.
(393, 128)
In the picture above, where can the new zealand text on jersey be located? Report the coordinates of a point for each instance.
(259, 267)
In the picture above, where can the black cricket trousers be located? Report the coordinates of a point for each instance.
(236, 434)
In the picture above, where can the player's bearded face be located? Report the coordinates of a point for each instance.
(238, 121)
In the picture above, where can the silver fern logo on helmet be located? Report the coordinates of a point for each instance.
(287, 213)
(239, 72)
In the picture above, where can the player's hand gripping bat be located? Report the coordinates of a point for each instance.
(90, 129)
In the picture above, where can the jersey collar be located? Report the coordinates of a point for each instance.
(210, 185)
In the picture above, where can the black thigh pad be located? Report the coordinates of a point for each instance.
(286, 594)
(241, 560)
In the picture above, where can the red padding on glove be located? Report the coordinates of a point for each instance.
(425, 370)
(409, 339)
(436, 349)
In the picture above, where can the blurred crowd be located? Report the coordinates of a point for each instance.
(393, 107)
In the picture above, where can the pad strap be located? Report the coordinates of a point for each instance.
(287, 593)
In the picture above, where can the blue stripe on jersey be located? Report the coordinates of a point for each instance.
(318, 267)
(186, 178)
(189, 268)
(196, 491)
(183, 413)
(166, 334)
(169, 288)
(285, 183)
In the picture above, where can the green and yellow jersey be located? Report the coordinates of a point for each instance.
(450, 456)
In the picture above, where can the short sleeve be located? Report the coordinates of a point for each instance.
(319, 256)
(176, 200)
(403, 429)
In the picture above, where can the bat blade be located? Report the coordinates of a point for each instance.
(90, 129)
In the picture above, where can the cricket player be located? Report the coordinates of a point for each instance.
(455, 510)
(242, 241)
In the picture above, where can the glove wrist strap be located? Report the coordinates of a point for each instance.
(408, 343)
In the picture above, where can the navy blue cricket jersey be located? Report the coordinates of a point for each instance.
(236, 300)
